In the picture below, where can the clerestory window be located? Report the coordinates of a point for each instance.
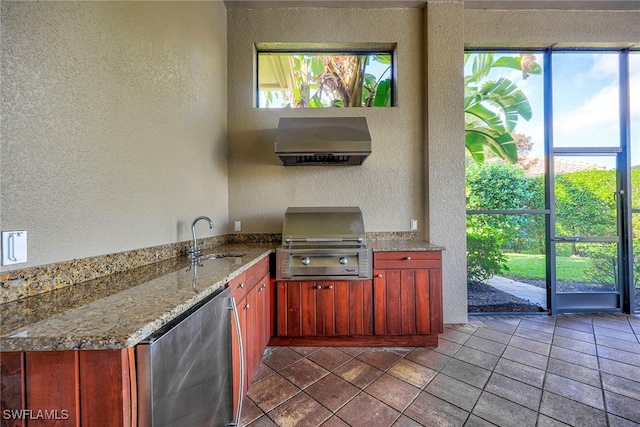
(322, 79)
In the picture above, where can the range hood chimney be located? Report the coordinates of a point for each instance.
(342, 141)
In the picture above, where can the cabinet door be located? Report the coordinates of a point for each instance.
(325, 308)
(403, 301)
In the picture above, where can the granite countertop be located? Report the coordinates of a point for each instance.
(120, 310)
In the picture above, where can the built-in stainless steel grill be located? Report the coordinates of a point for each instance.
(323, 243)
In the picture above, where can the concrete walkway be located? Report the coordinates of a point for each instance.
(531, 293)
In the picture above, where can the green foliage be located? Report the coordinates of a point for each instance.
(492, 108)
(484, 254)
(493, 186)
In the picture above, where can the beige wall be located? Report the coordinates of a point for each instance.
(113, 124)
(388, 186)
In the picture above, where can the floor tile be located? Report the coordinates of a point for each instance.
(571, 412)
(530, 345)
(250, 412)
(281, 358)
(502, 368)
(446, 347)
(576, 345)
(515, 391)
(619, 355)
(381, 358)
(603, 340)
(263, 421)
(330, 358)
(454, 391)
(483, 344)
(366, 411)
(503, 412)
(576, 357)
(300, 410)
(534, 335)
(358, 373)
(523, 373)
(429, 410)
(405, 421)
(303, 372)
(621, 385)
(493, 335)
(412, 373)
(332, 391)
(612, 367)
(465, 372)
(428, 357)
(544, 421)
(392, 391)
(271, 392)
(335, 422)
(623, 406)
(574, 390)
(576, 335)
(477, 357)
(576, 372)
(525, 357)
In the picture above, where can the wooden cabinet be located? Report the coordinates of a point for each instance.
(324, 308)
(68, 388)
(408, 293)
(402, 306)
(251, 291)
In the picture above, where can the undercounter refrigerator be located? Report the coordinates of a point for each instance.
(185, 370)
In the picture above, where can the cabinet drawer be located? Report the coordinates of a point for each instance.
(257, 272)
(395, 260)
(238, 286)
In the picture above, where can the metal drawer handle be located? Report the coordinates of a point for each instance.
(330, 287)
(408, 258)
(246, 306)
(241, 285)
(380, 275)
(318, 286)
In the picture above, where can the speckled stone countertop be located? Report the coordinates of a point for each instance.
(120, 310)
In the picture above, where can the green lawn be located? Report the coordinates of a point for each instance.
(529, 266)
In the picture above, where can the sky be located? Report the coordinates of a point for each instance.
(585, 102)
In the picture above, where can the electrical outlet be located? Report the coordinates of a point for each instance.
(414, 224)
(237, 225)
(14, 247)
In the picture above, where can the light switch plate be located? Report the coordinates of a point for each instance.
(237, 225)
(14, 247)
(414, 224)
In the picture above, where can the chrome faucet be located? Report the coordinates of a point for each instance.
(194, 252)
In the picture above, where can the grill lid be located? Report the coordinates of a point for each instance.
(306, 227)
(322, 140)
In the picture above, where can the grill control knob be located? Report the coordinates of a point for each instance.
(306, 261)
(343, 260)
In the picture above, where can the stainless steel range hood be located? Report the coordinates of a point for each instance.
(323, 141)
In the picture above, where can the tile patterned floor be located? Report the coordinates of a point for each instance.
(579, 370)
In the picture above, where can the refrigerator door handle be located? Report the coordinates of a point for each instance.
(236, 318)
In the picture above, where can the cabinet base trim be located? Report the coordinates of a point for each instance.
(430, 340)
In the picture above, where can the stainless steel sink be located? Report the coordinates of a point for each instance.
(223, 255)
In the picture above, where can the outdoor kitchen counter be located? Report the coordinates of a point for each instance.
(400, 245)
(120, 310)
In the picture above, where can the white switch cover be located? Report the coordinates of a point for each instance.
(414, 224)
(237, 225)
(14, 247)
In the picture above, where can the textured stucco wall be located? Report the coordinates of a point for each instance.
(113, 124)
(444, 120)
(551, 28)
(388, 186)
